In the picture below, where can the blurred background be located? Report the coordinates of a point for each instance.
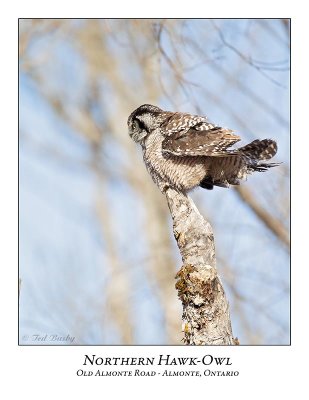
(97, 254)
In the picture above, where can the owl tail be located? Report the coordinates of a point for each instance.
(247, 159)
(260, 149)
(257, 151)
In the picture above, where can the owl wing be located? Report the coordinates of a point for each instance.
(203, 139)
(181, 122)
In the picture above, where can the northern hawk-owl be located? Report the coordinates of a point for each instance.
(183, 151)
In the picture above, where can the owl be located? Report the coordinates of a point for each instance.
(183, 151)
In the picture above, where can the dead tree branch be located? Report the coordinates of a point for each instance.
(206, 316)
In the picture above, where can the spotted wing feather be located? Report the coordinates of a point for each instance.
(212, 142)
(182, 122)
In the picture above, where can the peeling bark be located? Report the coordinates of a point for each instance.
(206, 316)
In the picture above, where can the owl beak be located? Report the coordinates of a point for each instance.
(138, 137)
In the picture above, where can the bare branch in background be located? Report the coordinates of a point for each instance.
(246, 58)
(275, 226)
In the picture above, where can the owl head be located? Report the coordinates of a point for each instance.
(143, 121)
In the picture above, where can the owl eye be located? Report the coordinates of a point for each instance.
(140, 125)
(135, 125)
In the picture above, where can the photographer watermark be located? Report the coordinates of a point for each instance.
(47, 338)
